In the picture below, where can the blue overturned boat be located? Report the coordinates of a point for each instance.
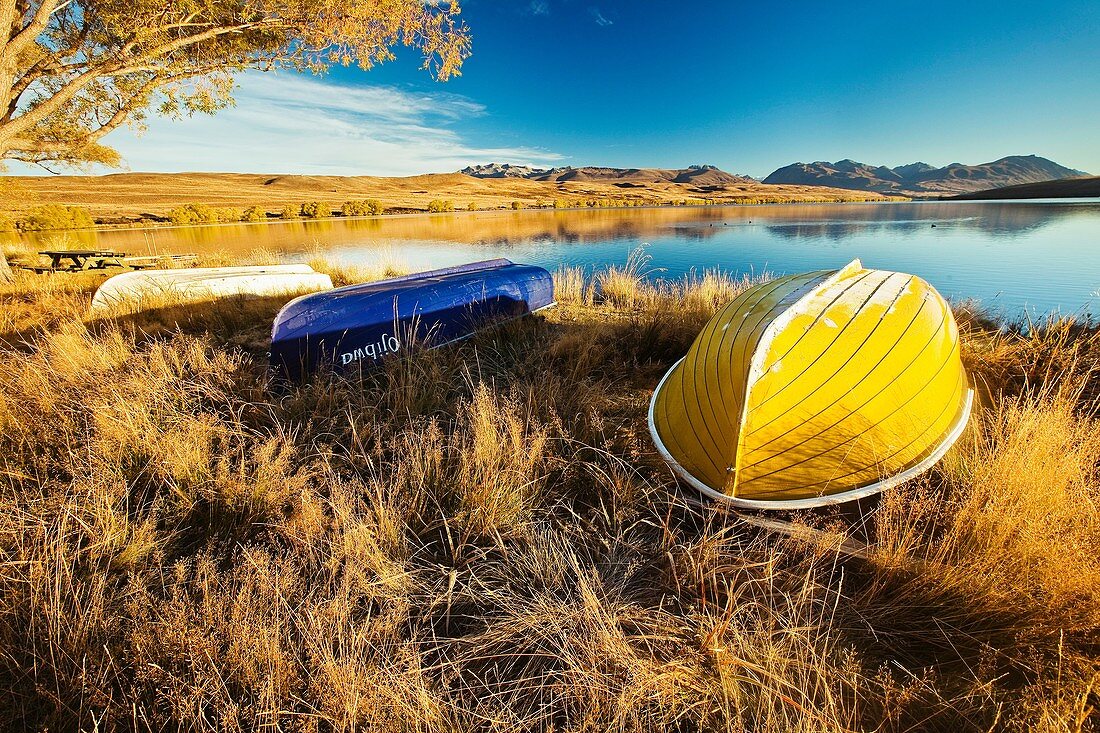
(355, 327)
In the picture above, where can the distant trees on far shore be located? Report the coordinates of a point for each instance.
(55, 216)
(197, 213)
(203, 214)
(59, 217)
(367, 207)
(315, 209)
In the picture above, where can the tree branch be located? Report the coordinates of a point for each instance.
(30, 31)
(89, 66)
(35, 115)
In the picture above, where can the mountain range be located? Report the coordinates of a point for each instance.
(699, 175)
(922, 179)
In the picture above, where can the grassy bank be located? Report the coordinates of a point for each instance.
(483, 538)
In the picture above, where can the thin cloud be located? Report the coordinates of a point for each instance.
(539, 7)
(296, 124)
(599, 17)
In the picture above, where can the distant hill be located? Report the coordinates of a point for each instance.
(921, 179)
(699, 175)
(1065, 188)
(133, 197)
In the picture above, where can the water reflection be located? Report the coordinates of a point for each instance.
(789, 221)
(1011, 220)
(1012, 255)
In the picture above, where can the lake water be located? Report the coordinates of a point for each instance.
(1017, 258)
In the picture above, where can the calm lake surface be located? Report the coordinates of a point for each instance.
(1017, 258)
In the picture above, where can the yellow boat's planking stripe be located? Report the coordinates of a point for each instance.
(837, 337)
(746, 335)
(664, 397)
(869, 372)
(877, 465)
(684, 414)
(863, 443)
(762, 384)
(704, 389)
(854, 412)
(749, 348)
(722, 319)
(818, 318)
(897, 408)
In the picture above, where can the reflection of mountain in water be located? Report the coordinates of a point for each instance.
(908, 219)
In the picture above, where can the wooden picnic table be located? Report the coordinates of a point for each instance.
(80, 260)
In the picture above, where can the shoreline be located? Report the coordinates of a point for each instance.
(405, 215)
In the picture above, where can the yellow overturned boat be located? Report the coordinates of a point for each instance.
(815, 389)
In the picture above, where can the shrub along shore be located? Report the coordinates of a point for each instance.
(482, 537)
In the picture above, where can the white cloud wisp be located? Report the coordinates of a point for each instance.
(287, 123)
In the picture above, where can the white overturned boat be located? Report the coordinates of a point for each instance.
(150, 288)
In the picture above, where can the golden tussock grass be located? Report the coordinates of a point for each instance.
(482, 537)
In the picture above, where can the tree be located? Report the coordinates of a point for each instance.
(353, 208)
(315, 209)
(56, 216)
(72, 71)
(193, 214)
(367, 207)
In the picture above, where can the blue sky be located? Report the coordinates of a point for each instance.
(745, 86)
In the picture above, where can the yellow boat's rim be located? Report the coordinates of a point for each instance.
(861, 492)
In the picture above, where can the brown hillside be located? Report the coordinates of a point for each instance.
(1087, 187)
(124, 197)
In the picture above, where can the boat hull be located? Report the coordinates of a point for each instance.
(151, 288)
(815, 389)
(354, 328)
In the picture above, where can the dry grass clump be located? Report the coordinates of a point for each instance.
(482, 538)
(389, 264)
(500, 456)
(710, 291)
(627, 286)
(572, 287)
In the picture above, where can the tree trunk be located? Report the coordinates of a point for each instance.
(5, 271)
